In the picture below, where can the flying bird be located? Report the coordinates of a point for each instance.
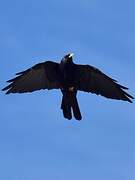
(69, 78)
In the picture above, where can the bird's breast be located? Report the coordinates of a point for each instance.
(67, 75)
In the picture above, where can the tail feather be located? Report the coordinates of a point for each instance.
(69, 101)
(66, 107)
(76, 109)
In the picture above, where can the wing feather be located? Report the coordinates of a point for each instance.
(91, 79)
(41, 76)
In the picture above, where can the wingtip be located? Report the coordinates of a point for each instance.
(9, 81)
(18, 73)
(3, 89)
(7, 93)
(130, 99)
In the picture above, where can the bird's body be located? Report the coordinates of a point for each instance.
(69, 78)
(69, 89)
(67, 70)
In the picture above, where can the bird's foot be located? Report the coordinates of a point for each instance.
(71, 89)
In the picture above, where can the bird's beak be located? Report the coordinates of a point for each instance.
(72, 54)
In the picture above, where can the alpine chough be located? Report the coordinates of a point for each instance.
(69, 78)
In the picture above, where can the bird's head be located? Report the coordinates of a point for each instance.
(68, 58)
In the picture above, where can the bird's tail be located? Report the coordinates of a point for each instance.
(76, 109)
(69, 101)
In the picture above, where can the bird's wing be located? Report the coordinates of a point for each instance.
(90, 79)
(41, 76)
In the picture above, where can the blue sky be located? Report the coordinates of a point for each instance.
(36, 142)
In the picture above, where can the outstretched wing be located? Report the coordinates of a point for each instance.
(90, 79)
(41, 76)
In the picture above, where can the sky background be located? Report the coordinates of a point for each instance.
(36, 142)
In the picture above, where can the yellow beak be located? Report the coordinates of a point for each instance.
(72, 54)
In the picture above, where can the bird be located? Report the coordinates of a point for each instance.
(69, 78)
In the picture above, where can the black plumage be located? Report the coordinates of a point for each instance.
(69, 78)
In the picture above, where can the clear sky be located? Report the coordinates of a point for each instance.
(36, 142)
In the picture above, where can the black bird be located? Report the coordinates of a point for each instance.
(69, 78)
